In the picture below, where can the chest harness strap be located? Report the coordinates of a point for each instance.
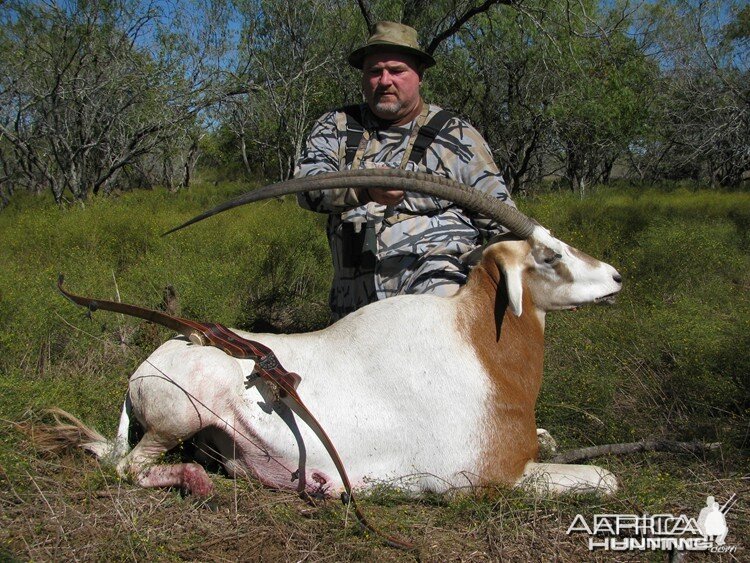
(267, 367)
(425, 131)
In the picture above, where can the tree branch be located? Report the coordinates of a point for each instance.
(366, 10)
(583, 454)
(462, 19)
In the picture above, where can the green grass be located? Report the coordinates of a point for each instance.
(669, 359)
(237, 269)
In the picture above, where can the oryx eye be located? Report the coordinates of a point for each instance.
(552, 258)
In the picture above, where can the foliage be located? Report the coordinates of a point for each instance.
(96, 96)
(293, 84)
(498, 76)
(603, 106)
(118, 94)
(701, 111)
(546, 94)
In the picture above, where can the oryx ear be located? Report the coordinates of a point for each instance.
(514, 284)
(473, 257)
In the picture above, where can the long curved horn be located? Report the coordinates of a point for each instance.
(391, 179)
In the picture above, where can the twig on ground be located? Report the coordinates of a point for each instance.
(4, 477)
(44, 498)
(583, 454)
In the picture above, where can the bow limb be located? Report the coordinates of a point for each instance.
(190, 329)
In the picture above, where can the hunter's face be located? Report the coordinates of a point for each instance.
(390, 83)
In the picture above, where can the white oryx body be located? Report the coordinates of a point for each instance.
(432, 392)
(414, 407)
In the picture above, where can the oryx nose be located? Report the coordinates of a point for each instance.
(617, 277)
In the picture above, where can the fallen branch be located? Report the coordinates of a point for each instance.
(583, 454)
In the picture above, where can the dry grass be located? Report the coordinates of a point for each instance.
(69, 507)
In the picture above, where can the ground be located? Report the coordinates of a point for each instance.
(70, 507)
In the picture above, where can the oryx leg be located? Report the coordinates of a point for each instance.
(141, 464)
(122, 447)
(567, 478)
(238, 448)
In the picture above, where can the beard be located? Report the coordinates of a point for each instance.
(388, 109)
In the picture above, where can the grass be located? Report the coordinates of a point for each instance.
(670, 359)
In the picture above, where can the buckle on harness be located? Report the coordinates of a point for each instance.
(397, 218)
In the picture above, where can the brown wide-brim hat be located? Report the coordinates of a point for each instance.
(391, 37)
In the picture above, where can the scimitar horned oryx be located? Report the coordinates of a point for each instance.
(428, 392)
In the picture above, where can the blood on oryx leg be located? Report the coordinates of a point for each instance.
(141, 464)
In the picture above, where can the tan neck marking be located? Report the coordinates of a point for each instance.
(511, 350)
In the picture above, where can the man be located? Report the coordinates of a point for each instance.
(386, 243)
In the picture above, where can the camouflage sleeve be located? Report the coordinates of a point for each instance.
(321, 155)
(482, 173)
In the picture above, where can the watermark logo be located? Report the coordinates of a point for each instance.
(711, 521)
(654, 532)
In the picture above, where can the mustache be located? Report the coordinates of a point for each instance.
(381, 92)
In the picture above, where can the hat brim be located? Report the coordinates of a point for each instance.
(357, 57)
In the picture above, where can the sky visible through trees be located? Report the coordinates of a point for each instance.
(104, 95)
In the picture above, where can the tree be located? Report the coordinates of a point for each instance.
(89, 89)
(603, 105)
(545, 84)
(295, 52)
(701, 126)
(292, 59)
(496, 74)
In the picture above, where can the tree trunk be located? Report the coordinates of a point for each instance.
(190, 162)
(243, 148)
(6, 191)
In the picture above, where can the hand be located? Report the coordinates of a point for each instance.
(386, 197)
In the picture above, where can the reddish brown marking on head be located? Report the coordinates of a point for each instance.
(511, 350)
(545, 254)
(583, 256)
(563, 272)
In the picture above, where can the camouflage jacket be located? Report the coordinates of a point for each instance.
(379, 251)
